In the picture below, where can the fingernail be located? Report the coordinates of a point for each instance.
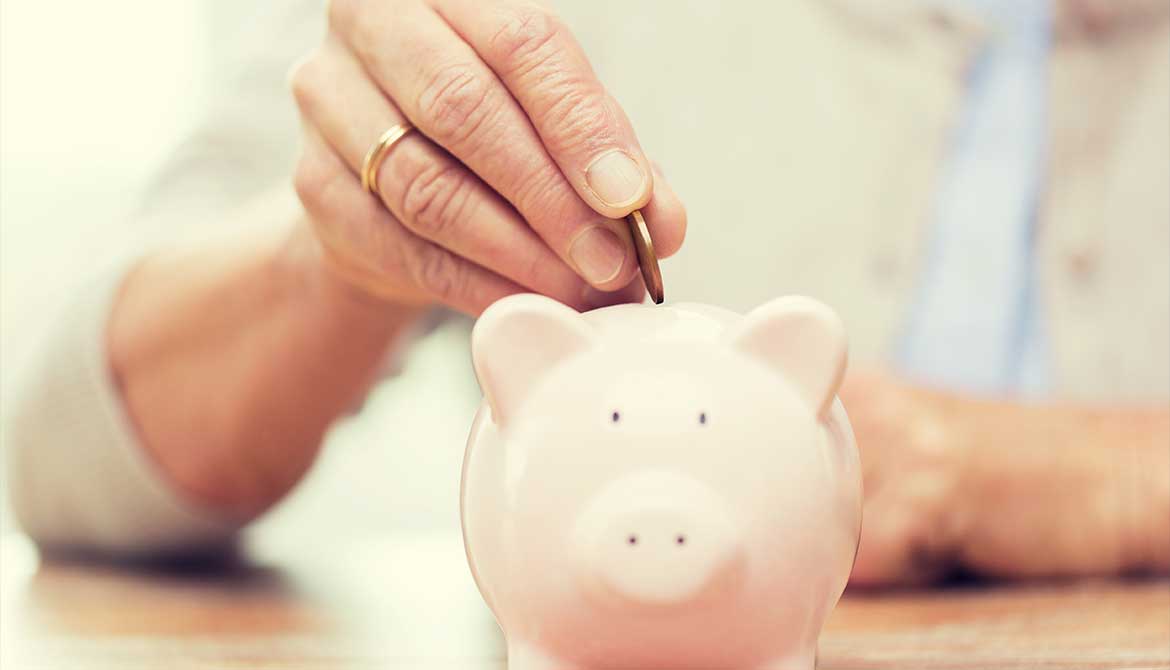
(615, 178)
(599, 254)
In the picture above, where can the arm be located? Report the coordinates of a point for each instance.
(234, 358)
(1007, 489)
(175, 401)
(230, 360)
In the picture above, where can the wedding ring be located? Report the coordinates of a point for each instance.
(377, 155)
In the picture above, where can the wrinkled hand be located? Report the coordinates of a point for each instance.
(912, 463)
(518, 176)
(1005, 489)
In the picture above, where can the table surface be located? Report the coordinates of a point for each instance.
(407, 601)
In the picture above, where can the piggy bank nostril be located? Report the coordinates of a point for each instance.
(680, 540)
(632, 540)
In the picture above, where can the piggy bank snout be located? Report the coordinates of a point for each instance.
(658, 540)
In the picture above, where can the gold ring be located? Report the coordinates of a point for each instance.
(377, 155)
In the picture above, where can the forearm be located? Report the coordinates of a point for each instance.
(233, 360)
(1063, 490)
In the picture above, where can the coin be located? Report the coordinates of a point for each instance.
(647, 259)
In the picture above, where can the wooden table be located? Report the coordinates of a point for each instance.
(407, 601)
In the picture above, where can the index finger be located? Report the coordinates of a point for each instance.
(546, 70)
(450, 95)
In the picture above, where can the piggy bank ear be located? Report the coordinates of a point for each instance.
(516, 341)
(801, 339)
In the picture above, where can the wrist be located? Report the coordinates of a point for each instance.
(268, 350)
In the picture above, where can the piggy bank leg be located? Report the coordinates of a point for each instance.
(523, 656)
(803, 660)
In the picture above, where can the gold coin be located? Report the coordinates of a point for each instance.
(647, 259)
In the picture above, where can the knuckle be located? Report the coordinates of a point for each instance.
(524, 38)
(304, 80)
(545, 191)
(456, 101)
(435, 199)
(313, 180)
(578, 120)
(437, 273)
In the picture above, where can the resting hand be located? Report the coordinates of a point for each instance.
(1004, 488)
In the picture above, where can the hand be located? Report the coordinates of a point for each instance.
(516, 179)
(1006, 489)
(912, 466)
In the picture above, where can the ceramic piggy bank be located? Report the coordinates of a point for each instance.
(660, 487)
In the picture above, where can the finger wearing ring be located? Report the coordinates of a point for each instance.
(377, 155)
(428, 191)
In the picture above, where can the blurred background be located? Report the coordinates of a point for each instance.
(80, 134)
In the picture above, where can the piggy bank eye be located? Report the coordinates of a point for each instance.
(702, 418)
(616, 416)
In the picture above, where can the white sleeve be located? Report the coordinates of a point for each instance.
(78, 480)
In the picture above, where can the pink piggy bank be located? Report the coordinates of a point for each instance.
(660, 487)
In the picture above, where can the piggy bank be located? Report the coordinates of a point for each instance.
(660, 487)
